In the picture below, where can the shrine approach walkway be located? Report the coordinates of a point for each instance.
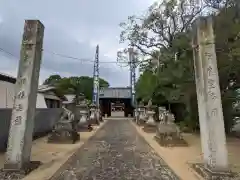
(115, 152)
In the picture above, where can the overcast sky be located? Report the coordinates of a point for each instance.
(73, 28)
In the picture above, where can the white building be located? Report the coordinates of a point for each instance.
(46, 97)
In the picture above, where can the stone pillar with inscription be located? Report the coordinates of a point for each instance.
(213, 136)
(23, 112)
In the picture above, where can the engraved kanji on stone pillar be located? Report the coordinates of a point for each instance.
(23, 112)
(209, 99)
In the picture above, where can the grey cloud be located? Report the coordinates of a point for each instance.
(70, 28)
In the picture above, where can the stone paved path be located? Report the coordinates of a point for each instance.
(115, 152)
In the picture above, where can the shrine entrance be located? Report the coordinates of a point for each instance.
(109, 105)
(116, 99)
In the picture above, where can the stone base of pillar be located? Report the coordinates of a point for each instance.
(63, 137)
(11, 171)
(170, 141)
(149, 128)
(208, 174)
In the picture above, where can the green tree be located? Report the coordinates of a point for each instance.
(164, 35)
(53, 79)
(75, 85)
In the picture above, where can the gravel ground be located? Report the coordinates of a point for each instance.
(115, 152)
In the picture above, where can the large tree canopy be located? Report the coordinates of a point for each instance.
(163, 35)
(75, 85)
(158, 28)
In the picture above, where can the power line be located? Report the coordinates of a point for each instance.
(68, 57)
(80, 59)
(1, 49)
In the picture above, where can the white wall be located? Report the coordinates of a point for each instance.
(41, 103)
(7, 94)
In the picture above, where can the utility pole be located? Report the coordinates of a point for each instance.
(95, 98)
(132, 61)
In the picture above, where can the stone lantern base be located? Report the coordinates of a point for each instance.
(208, 174)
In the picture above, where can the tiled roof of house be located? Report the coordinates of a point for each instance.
(7, 78)
(11, 79)
(43, 88)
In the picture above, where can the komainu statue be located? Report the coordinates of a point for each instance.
(168, 133)
(65, 130)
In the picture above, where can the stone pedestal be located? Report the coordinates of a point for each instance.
(22, 121)
(208, 174)
(150, 125)
(65, 130)
(10, 173)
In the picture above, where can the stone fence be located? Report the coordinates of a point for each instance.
(44, 122)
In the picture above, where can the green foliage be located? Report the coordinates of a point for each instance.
(53, 79)
(188, 125)
(75, 85)
(145, 85)
(164, 34)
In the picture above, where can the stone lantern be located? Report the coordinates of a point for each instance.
(94, 114)
(150, 125)
(84, 122)
(136, 114)
(142, 115)
(162, 113)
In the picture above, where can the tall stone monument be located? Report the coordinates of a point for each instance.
(213, 137)
(23, 112)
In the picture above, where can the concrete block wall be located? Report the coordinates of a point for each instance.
(44, 122)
